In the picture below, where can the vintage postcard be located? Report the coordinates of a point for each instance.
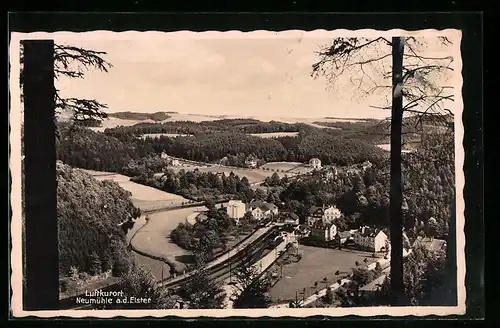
(242, 174)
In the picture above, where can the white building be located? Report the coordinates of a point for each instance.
(236, 209)
(324, 232)
(371, 239)
(251, 161)
(262, 210)
(315, 163)
(172, 161)
(324, 214)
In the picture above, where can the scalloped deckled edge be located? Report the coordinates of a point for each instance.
(15, 166)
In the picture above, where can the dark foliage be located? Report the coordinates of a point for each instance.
(89, 216)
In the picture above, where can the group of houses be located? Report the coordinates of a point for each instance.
(171, 160)
(260, 210)
(320, 224)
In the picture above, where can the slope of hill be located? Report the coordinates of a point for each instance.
(89, 216)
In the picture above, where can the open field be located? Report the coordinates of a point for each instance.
(297, 276)
(279, 166)
(303, 169)
(169, 135)
(112, 122)
(275, 134)
(144, 197)
(253, 175)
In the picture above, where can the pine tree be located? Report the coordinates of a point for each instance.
(95, 264)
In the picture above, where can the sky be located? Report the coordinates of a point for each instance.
(237, 76)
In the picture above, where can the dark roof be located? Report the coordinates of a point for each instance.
(430, 243)
(262, 205)
(369, 232)
(316, 210)
(344, 234)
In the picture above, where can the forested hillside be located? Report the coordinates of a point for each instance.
(80, 147)
(158, 116)
(224, 125)
(112, 152)
(363, 196)
(89, 216)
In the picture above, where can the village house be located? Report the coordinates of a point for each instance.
(323, 232)
(371, 239)
(236, 209)
(171, 161)
(262, 210)
(251, 161)
(431, 244)
(315, 163)
(330, 173)
(342, 237)
(288, 218)
(323, 214)
(302, 231)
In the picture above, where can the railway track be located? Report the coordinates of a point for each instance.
(220, 271)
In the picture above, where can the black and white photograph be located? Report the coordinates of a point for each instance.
(289, 173)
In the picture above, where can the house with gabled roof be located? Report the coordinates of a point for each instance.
(315, 163)
(261, 210)
(288, 218)
(342, 236)
(432, 244)
(324, 214)
(251, 161)
(371, 239)
(323, 232)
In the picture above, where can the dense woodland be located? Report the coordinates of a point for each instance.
(224, 125)
(157, 116)
(89, 216)
(199, 186)
(113, 151)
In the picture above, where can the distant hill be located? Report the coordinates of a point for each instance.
(157, 116)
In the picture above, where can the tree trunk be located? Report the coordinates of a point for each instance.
(42, 265)
(396, 192)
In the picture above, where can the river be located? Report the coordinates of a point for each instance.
(150, 237)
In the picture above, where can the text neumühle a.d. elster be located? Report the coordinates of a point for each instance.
(111, 297)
